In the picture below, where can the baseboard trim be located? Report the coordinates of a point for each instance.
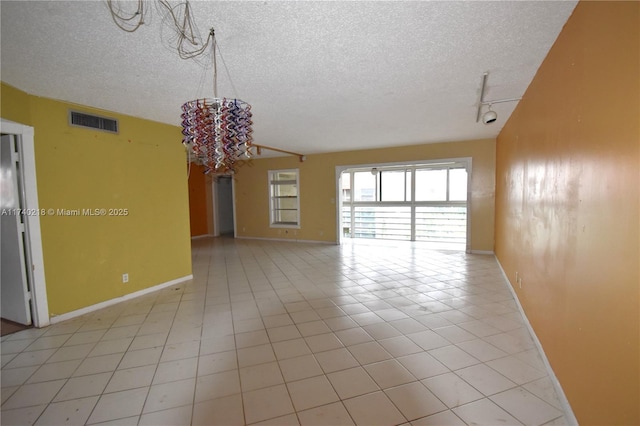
(197, 237)
(83, 311)
(564, 402)
(287, 240)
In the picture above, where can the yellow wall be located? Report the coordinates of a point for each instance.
(141, 169)
(318, 189)
(567, 209)
(15, 104)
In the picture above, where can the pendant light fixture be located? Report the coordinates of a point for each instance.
(217, 131)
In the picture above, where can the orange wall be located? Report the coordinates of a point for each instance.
(198, 212)
(567, 209)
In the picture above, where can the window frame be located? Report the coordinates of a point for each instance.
(411, 170)
(272, 204)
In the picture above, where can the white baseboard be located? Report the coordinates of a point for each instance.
(287, 240)
(197, 237)
(568, 412)
(73, 314)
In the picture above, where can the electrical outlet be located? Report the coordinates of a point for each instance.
(520, 282)
(125, 278)
(517, 276)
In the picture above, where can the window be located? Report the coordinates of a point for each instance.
(364, 184)
(431, 185)
(284, 198)
(458, 184)
(414, 202)
(381, 185)
(395, 185)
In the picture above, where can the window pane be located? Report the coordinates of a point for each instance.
(346, 187)
(457, 185)
(364, 186)
(286, 216)
(441, 224)
(392, 185)
(383, 222)
(408, 185)
(431, 185)
(285, 203)
(284, 176)
(285, 190)
(346, 221)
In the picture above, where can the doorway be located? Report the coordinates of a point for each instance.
(23, 289)
(224, 217)
(16, 285)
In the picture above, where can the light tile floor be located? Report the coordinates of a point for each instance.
(285, 334)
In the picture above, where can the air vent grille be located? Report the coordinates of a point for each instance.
(93, 121)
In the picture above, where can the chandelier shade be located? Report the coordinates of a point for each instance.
(217, 132)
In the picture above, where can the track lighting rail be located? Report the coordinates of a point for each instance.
(482, 102)
(259, 148)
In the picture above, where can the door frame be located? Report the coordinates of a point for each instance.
(25, 137)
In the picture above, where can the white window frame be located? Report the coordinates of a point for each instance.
(272, 207)
(464, 162)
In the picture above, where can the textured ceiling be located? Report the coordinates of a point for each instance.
(320, 76)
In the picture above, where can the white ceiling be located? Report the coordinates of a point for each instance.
(320, 76)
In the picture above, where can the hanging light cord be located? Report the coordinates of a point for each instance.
(123, 20)
(224, 64)
(219, 147)
(215, 63)
(187, 40)
(189, 43)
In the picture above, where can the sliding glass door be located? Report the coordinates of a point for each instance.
(420, 202)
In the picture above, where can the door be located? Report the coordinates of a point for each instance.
(224, 205)
(14, 283)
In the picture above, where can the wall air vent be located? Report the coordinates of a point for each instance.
(81, 119)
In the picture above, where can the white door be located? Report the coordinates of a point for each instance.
(14, 283)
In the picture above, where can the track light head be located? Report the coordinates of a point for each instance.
(489, 117)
